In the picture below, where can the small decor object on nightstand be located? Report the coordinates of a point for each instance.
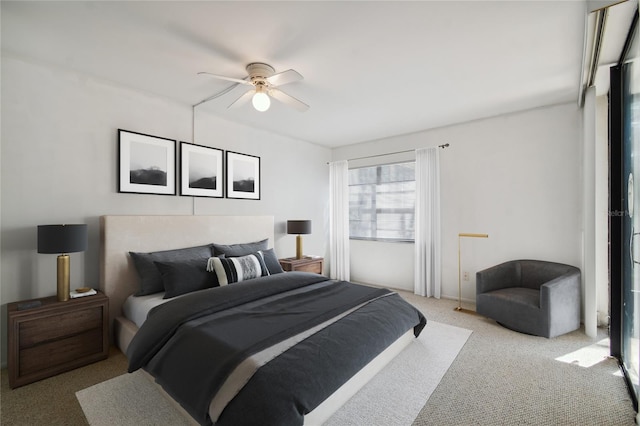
(28, 305)
(299, 227)
(82, 292)
(62, 239)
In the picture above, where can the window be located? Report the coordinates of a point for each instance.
(382, 202)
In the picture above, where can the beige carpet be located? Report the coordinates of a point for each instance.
(500, 377)
(394, 397)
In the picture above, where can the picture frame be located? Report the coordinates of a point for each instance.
(201, 171)
(243, 176)
(147, 163)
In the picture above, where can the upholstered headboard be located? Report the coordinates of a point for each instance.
(121, 234)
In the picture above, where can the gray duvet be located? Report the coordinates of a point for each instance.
(267, 351)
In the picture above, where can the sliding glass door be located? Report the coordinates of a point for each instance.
(631, 216)
(624, 204)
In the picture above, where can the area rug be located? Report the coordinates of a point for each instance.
(393, 397)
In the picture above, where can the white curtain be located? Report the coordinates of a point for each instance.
(339, 220)
(427, 226)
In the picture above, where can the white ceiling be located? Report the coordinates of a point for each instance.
(371, 69)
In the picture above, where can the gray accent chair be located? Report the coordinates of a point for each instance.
(531, 296)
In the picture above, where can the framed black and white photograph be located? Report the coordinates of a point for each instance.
(147, 164)
(243, 176)
(201, 173)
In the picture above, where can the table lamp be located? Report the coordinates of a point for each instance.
(62, 239)
(298, 227)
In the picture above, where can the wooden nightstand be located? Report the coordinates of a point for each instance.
(306, 264)
(56, 336)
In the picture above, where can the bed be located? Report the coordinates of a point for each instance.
(303, 364)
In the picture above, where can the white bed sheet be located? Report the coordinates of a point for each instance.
(136, 308)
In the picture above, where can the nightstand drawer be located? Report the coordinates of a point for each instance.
(316, 268)
(55, 326)
(54, 354)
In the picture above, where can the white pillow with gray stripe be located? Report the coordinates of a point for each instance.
(235, 269)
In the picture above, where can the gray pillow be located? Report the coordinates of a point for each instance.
(271, 260)
(236, 250)
(186, 276)
(150, 278)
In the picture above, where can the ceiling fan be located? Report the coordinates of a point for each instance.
(265, 84)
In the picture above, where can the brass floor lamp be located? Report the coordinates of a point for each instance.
(461, 235)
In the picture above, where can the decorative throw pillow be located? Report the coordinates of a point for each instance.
(271, 260)
(234, 250)
(150, 278)
(184, 277)
(235, 269)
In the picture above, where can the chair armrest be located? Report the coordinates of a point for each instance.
(561, 292)
(497, 277)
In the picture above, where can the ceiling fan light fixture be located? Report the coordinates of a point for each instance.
(260, 100)
(265, 85)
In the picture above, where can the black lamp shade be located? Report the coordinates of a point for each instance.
(298, 227)
(62, 238)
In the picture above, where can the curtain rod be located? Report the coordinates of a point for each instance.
(392, 153)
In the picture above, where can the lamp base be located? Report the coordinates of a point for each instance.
(299, 247)
(63, 277)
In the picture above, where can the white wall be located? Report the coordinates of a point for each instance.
(515, 177)
(59, 165)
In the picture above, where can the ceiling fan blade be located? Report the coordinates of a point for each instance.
(288, 100)
(285, 77)
(242, 99)
(222, 77)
